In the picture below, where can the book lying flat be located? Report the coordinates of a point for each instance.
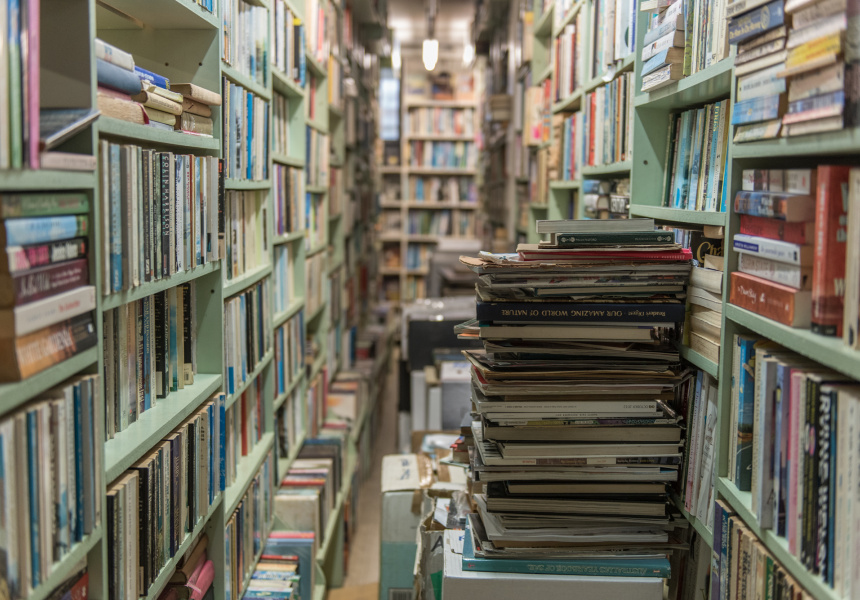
(547, 450)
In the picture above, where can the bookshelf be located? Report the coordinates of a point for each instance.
(184, 41)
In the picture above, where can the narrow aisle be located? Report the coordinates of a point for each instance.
(362, 576)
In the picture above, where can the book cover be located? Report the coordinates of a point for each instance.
(42, 282)
(778, 302)
(116, 78)
(777, 250)
(761, 108)
(828, 273)
(755, 22)
(154, 78)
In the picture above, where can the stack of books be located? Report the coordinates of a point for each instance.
(276, 576)
(197, 103)
(759, 30)
(705, 295)
(576, 392)
(663, 48)
(775, 244)
(47, 302)
(303, 546)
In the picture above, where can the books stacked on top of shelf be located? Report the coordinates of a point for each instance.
(303, 546)
(45, 296)
(197, 103)
(131, 93)
(696, 159)
(276, 576)
(169, 224)
(775, 244)
(247, 527)
(608, 122)
(606, 198)
(759, 30)
(792, 441)
(288, 43)
(246, 29)
(181, 478)
(577, 391)
(662, 54)
(306, 495)
(245, 133)
(150, 350)
(51, 481)
(569, 58)
(193, 576)
(445, 155)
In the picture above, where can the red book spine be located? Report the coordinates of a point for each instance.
(592, 127)
(780, 303)
(774, 229)
(42, 282)
(831, 233)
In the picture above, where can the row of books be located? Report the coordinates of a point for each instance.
(290, 422)
(314, 282)
(247, 333)
(156, 503)
(699, 398)
(276, 576)
(289, 352)
(451, 190)
(246, 29)
(429, 222)
(244, 428)
(613, 26)
(440, 121)
(281, 124)
(449, 155)
(246, 529)
(607, 122)
(131, 93)
(568, 59)
(417, 257)
(150, 350)
(316, 157)
(171, 222)
(316, 26)
(298, 546)
(289, 204)
(245, 132)
(283, 277)
(316, 220)
(337, 195)
(50, 453)
(827, 196)
(795, 425)
(565, 156)
(246, 217)
(606, 198)
(19, 87)
(288, 43)
(697, 157)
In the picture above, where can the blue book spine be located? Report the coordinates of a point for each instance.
(116, 78)
(33, 490)
(834, 475)
(725, 543)
(79, 466)
(746, 411)
(153, 78)
(655, 62)
(249, 133)
(715, 555)
(210, 411)
(680, 191)
(756, 109)
(222, 443)
(38, 230)
(755, 22)
(816, 102)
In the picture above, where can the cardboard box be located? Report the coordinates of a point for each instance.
(458, 584)
(404, 478)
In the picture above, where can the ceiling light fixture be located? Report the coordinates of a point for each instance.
(468, 53)
(430, 53)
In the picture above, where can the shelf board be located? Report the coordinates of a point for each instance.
(678, 215)
(844, 141)
(707, 365)
(572, 102)
(536, 206)
(543, 25)
(153, 287)
(441, 137)
(27, 179)
(288, 237)
(545, 74)
(335, 265)
(61, 570)
(284, 464)
(144, 134)
(314, 66)
(438, 205)
(312, 316)
(828, 351)
(286, 86)
(291, 161)
(246, 471)
(625, 65)
(568, 18)
(13, 395)
(155, 14)
(295, 306)
(389, 170)
(316, 124)
(246, 82)
(430, 103)
(700, 527)
(317, 366)
(707, 85)
(422, 238)
(316, 249)
(281, 398)
(316, 189)
(335, 111)
(239, 283)
(130, 445)
(244, 184)
(572, 184)
(440, 171)
(262, 364)
(618, 168)
(741, 503)
(170, 567)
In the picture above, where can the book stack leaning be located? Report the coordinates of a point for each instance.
(578, 397)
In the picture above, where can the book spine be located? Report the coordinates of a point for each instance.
(16, 206)
(48, 311)
(771, 249)
(757, 109)
(756, 22)
(764, 204)
(36, 284)
(793, 233)
(25, 258)
(771, 300)
(565, 312)
(117, 78)
(778, 272)
(155, 79)
(113, 55)
(570, 240)
(39, 230)
(828, 273)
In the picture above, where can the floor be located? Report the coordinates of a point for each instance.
(362, 575)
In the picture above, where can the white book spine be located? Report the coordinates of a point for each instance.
(49, 311)
(765, 248)
(778, 272)
(113, 55)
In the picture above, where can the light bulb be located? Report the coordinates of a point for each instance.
(468, 54)
(430, 54)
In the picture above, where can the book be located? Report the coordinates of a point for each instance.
(41, 282)
(113, 55)
(778, 302)
(755, 22)
(777, 250)
(785, 207)
(156, 101)
(851, 319)
(571, 240)
(795, 276)
(116, 78)
(800, 233)
(56, 125)
(549, 312)
(193, 123)
(153, 78)
(124, 110)
(197, 93)
(828, 273)
(588, 226)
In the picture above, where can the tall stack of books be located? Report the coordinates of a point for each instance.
(576, 392)
(758, 29)
(775, 244)
(46, 308)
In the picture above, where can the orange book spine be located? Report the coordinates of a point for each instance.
(781, 303)
(46, 347)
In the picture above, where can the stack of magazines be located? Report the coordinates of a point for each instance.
(579, 395)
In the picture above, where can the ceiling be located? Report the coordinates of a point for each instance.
(408, 22)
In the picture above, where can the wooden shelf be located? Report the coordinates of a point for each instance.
(545, 74)
(707, 365)
(619, 168)
(45, 179)
(295, 306)
(284, 464)
(572, 184)
(159, 285)
(151, 136)
(316, 189)
(285, 85)
(314, 66)
(289, 160)
(246, 470)
(572, 102)
(245, 184)
(288, 238)
(440, 171)
(13, 395)
(701, 528)
(622, 67)
(543, 25)
(130, 445)
(677, 215)
(318, 125)
(155, 14)
(568, 18)
(708, 85)
(281, 398)
(430, 103)
(245, 81)
(442, 137)
(67, 565)
(245, 280)
(845, 141)
(244, 385)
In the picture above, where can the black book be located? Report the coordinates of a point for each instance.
(165, 159)
(187, 333)
(146, 178)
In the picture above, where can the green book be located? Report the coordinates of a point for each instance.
(642, 238)
(43, 205)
